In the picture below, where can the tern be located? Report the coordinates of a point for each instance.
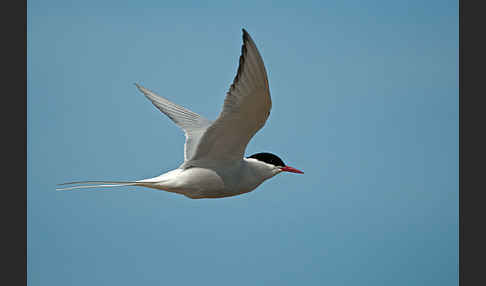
(214, 164)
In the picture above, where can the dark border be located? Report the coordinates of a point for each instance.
(471, 143)
(14, 142)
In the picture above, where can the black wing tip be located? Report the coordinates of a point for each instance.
(246, 36)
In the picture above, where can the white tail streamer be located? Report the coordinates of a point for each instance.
(100, 184)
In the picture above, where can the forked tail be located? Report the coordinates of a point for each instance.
(96, 184)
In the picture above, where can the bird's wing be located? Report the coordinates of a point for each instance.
(245, 110)
(192, 123)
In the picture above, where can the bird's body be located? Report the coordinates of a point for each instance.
(214, 179)
(214, 163)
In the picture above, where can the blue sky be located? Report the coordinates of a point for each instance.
(365, 101)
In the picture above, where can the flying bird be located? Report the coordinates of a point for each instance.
(214, 162)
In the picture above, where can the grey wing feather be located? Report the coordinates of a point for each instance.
(192, 123)
(246, 108)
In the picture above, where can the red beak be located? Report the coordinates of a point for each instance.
(290, 169)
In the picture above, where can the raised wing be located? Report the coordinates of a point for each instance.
(246, 109)
(192, 123)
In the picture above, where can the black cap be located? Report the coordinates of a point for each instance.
(268, 158)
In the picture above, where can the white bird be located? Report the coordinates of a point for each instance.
(214, 163)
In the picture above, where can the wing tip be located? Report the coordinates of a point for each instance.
(142, 90)
(246, 38)
(246, 35)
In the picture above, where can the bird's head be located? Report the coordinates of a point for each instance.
(274, 162)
